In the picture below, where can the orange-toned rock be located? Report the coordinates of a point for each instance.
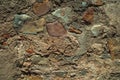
(5, 35)
(99, 3)
(41, 8)
(32, 77)
(56, 29)
(4, 43)
(74, 30)
(88, 15)
(30, 51)
(26, 64)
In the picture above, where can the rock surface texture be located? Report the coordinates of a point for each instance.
(59, 40)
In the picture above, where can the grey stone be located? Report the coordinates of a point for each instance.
(66, 14)
(20, 19)
(35, 58)
(98, 29)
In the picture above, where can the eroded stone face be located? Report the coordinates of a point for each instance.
(66, 14)
(41, 8)
(55, 29)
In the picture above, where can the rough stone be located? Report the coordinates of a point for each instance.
(41, 8)
(56, 29)
(97, 2)
(98, 29)
(65, 14)
(33, 27)
(88, 15)
(35, 58)
(19, 20)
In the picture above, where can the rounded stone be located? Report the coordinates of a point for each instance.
(56, 29)
(41, 8)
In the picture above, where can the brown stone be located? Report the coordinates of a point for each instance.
(99, 3)
(74, 30)
(41, 8)
(55, 29)
(88, 15)
(30, 51)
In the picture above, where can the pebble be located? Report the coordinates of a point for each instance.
(35, 58)
(97, 2)
(74, 30)
(50, 18)
(32, 77)
(20, 19)
(43, 61)
(88, 15)
(41, 8)
(66, 14)
(33, 27)
(97, 29)
(60, 73)
(55, 29)
(98, 48)
(26, 64)
(84, 4)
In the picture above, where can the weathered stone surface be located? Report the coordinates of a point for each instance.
(41, 8)
(92, 54)
(88, 15)
(112, 11)
(55, 29)
(33, 27)
(97, 2)
(66, 14)
(98, 29)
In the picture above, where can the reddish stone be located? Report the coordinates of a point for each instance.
(30, 51)
(4, 43)
(41, 8)
(99, 3)
(88, 15)
(55, 29)
(74, 30)
(6, 36)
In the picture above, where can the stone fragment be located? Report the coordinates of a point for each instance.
(55, 29)
(114, 48)
(97, 2)
(105, 56)
(74, 30)
(35, 58)
(83, 72)
(84, 4)
(33, 77)
(33, 27)
(41, 69)
(88, 15)
(98, 48)
(40, 23)
(29, 28)
(43, 61)
(20, 19)
(50, 18)
(26, 64)
(98, 29)
(41, 8)
(30, 51)
(60, 73)
(66, 14)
